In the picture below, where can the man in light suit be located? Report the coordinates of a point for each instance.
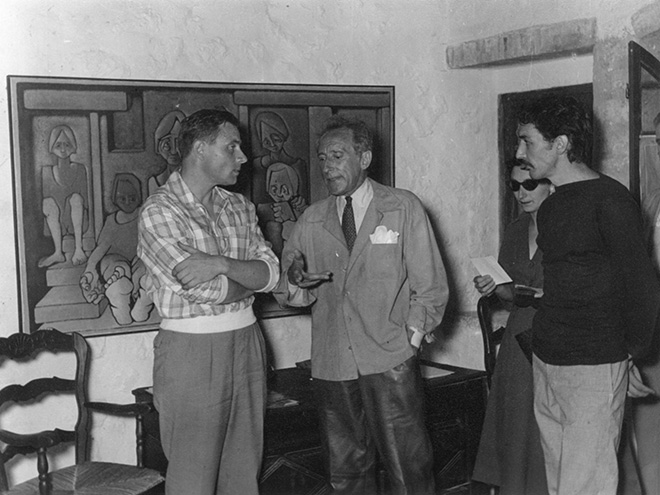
(367, 261)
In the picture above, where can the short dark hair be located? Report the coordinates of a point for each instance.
(362, 138)
(562, 116)
(203, 125)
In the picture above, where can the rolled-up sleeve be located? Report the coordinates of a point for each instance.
(258, 250)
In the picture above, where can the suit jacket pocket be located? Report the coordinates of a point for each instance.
(384, 261)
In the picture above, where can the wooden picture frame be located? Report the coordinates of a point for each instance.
(644, 106)
(81, 147)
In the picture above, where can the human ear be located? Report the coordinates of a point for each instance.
(562, 143)
(198, 147)
(365, 160)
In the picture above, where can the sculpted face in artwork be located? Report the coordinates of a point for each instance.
(113, 270)
(166, 139)
(282, 182)
(64, 189)
(273, 133)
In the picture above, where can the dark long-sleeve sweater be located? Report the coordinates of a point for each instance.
(601, 294)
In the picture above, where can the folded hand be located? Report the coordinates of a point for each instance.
(636, 387)
(197, 268)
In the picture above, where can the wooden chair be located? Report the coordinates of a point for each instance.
(491, 338)
(86, 477)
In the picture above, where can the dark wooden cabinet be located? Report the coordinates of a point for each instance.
(455, 406)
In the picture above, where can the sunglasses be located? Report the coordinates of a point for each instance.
(529, 184)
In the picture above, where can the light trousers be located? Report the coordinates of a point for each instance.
(579, 411)
(210, 393)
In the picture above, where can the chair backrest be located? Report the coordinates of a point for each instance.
(23, 347)
(491, 338)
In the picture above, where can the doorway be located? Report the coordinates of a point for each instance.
(509, 104)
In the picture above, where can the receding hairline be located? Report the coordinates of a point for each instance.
(338, 130)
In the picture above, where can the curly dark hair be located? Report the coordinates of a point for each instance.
(362, 138)
(562, 116)
(203, 125)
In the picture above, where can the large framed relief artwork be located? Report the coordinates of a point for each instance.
(87, 152)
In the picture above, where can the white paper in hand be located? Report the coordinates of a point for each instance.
(489, 266)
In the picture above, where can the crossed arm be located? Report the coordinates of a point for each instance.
(243, 277)
(195, 275)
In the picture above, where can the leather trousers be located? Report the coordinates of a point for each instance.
(380, 414)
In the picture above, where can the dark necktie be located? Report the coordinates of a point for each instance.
(348, 224)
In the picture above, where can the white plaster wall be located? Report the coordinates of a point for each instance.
(446, 120)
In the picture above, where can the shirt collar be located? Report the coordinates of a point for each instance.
(362, 196)
(188, 199)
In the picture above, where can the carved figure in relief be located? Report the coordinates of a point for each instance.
(273, 134)
(64, 190)
(166, 139)
(113, 270)
(282, 180)
(278, 218)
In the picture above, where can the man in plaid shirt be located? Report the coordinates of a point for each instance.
(205, 257)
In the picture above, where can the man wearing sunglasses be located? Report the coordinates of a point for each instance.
(600, 304)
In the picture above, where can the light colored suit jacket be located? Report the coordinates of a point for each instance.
(359, 318)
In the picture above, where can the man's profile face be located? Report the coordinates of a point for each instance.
(343, 168)
(223, 156)
(537, 154)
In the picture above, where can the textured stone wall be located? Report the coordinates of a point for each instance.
(445, 120)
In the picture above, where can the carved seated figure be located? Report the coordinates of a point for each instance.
(113, 269)
(64, 189)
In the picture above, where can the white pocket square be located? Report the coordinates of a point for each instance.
(383, 236)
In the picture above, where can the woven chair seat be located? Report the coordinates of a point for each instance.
(94, 478)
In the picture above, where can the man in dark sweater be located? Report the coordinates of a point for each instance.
(600, 304)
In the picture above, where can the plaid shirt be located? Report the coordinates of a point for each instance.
(172, 215)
